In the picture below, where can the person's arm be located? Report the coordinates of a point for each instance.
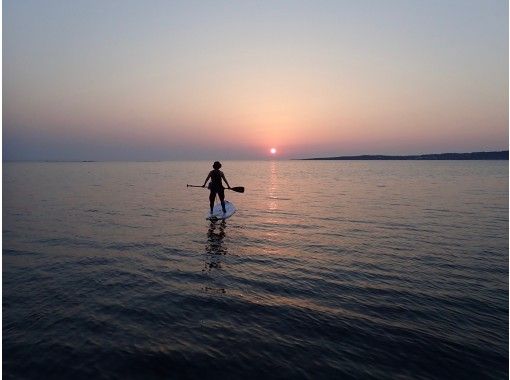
(205, 182)
(223, 176)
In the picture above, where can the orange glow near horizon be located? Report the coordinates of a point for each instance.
(272, 151)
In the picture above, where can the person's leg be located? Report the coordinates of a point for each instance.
(212, 197)
(221, 194)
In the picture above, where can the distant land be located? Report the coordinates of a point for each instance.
(501, 155)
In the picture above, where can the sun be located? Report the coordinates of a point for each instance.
(273, 150)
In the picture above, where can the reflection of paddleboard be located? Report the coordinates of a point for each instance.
(218, 212)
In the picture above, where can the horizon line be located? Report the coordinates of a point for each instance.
(359, 157)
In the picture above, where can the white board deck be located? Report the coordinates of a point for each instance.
(218, 212)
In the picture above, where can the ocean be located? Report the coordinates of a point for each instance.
(328, 270)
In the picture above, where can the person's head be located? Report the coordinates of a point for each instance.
(216, 165)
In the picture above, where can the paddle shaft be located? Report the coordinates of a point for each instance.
(237, 189)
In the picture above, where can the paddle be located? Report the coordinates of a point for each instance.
(237, 189)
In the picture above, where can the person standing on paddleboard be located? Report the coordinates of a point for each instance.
(216, 186)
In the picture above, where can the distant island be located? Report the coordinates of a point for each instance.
(501, 155)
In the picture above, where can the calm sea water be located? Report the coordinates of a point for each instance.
(382, 270)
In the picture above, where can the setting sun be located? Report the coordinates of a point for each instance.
(273, 150)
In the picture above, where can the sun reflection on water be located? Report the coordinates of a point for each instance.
(273, 187)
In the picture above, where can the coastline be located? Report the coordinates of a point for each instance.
(498, 155)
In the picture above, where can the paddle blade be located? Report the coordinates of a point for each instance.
(238, 189)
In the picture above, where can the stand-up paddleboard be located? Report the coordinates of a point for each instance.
(218, 212)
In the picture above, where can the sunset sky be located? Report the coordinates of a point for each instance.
(158, 80)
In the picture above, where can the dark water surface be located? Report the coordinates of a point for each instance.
(382, 270)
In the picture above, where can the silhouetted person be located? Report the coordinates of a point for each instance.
(216, 186)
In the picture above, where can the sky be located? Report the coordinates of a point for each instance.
(197, 79)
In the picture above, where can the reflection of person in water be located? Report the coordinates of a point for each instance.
(214, 246)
